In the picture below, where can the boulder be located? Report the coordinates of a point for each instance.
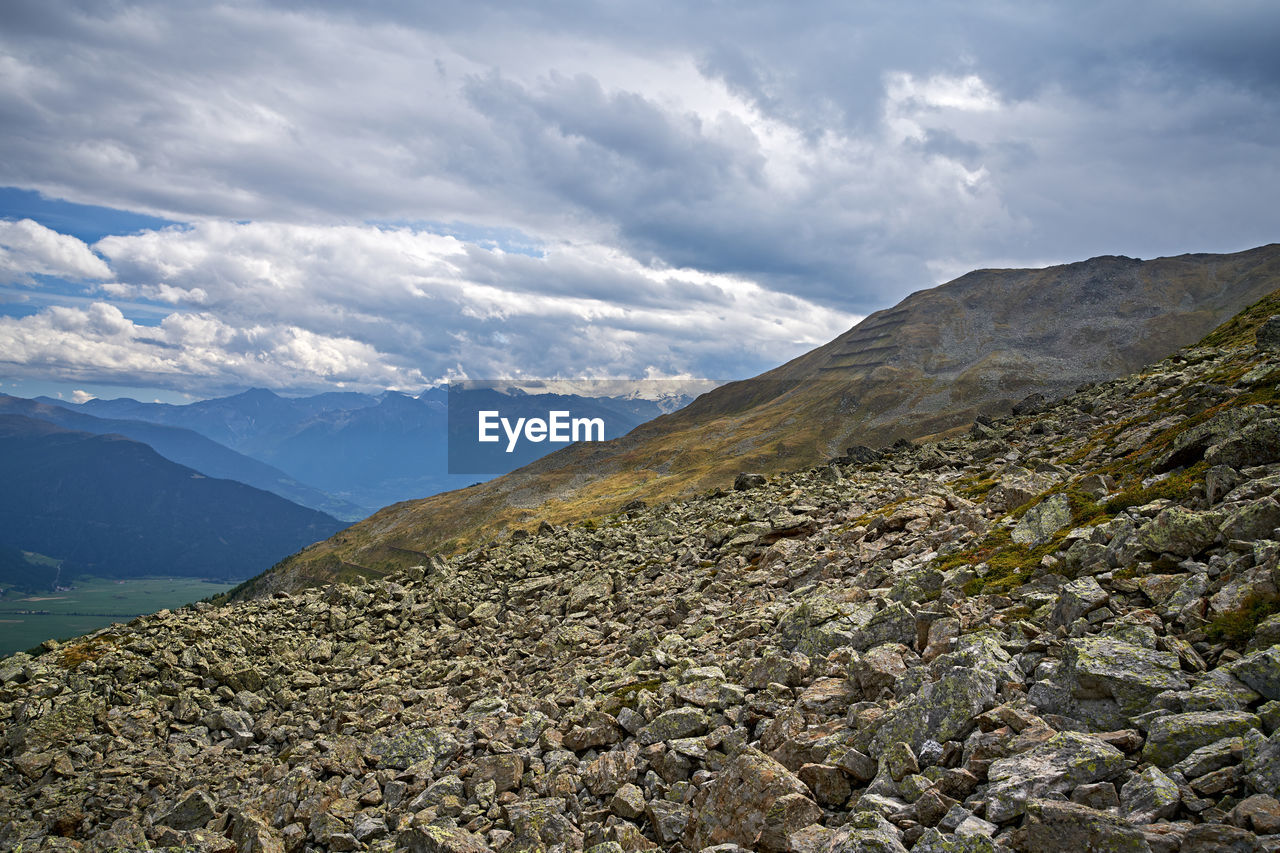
(1056, 826)
(1042, 521)
(732, 807)
(1173, 737)
(1056, 766)
(1179, 531)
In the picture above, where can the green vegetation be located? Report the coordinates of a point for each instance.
(28, 620)
(1238, 627)
(1176, 487)
(1239, 330)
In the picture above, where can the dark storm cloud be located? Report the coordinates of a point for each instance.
(720, 157)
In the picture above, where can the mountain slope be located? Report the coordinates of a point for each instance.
(190, 448)
(942, 650)
(114, 507)
(931, 364)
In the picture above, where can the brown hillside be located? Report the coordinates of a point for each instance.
(931, 364)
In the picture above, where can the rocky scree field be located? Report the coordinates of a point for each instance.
(1058, 631)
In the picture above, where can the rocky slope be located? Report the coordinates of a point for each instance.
(974, 346)
(1056, 631)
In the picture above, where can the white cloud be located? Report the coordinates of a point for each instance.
(28, 248)
(197, 351)
(304, 306)
(712, 192)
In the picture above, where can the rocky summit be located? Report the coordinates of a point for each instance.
(1060, 630)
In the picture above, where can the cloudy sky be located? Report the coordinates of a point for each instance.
(198, 198)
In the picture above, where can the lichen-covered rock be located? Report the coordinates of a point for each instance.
(427, 745)
(933, 841)
(1173, 737)
(674, 724)
(1255, 520)
(941, 710)
(1179, 531)
(1256, 444)
(776, 668)
(194, 810)
(1261, 761)
(819, 625)
(542, 822)
(441, 839)
(866, 832)
(252, 834)
(1107, 681)
(894, 624)
(1261, 671)
(732, 808)
(1056, 766)
(1039, 523)
(1078, 598)
(1056, 826)
(1149, 796)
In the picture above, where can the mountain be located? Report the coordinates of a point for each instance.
(247, 422)
(189, 448)
(1056, 631)
(972, 347)
(113, 507)
(368, 451)
(18, 571)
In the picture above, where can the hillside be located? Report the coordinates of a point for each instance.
(1047, 632)
(930, 365)
(113, 507)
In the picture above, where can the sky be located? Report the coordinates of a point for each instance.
(197, 198)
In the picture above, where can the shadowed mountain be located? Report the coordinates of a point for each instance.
(929, 365)
(113, 507)
(190, 448)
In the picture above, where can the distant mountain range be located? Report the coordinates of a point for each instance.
(925, 368)
(186, 447)
(344, 453)
(113, 507)
(122, 488)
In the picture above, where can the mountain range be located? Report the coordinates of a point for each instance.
(973, 347)
(186, 447)
(344, 453)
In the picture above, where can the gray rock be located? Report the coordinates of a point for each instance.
(1042, 521)
(1149, 796)
(1064, 761)
(1173, 737)
(194, 810)
(1056, 826)
(1261, 671)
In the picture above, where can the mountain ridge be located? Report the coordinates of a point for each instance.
(922, 369)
